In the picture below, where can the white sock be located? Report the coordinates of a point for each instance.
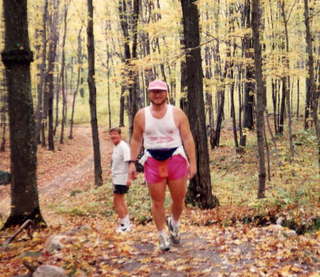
(125, 220)
(175, 223)
(162, 233)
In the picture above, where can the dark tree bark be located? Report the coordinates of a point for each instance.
(3, 125)
(130, 55)
(49, 86)
(200, 190)
(274, 104)
(122, 106)
(92, 97)
(232, 78)
(240, 108)
(123, 14)
(17, 57)
(146, 12)
(220, 76)
(183, 99)
(233, 115)
(249, 85)
(298, 98)
(3, 112)
(261, 94)
(134, 97)
(282, 112)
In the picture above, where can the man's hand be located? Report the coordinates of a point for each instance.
(192, 170)
(132, 174)
(129, 182)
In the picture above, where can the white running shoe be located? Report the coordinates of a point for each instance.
(123, 228)
(164, 242)
(174, 231)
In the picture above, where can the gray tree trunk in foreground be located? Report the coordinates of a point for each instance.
(17, 58)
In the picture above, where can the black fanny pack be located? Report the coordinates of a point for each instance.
(162, 154)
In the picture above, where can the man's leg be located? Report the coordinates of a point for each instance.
(120, 205)
(178, 189)
(157, 193)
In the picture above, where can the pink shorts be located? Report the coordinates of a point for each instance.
(174, 168)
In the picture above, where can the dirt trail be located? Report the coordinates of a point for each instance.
(78, 172)
(67, 172)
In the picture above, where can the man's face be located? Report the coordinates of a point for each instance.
(158, 97)
(115, 137)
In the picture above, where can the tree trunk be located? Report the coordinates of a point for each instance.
(282, 111)
(240, 90)
(233, 115)
(199, 191)
(3, 111)
(75, 93)
(286, 80)
(108, 56)
(17, 58)
(298, 99)
(42, 72)
(134, 98)
(248, 122)
(219, 76)
(123, 14)
(63, 78)
(215, 138)
(311, 85)
(3, 124)
(43, 97)
(261, 95)
(208, 74)
(92, 97)
(122, 106)
(50, 72)
(183, 82)
(274, 103)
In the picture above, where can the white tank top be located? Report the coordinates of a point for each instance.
(162, 132)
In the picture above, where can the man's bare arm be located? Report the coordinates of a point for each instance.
(136, 138)
(136, 141)
(188, 142)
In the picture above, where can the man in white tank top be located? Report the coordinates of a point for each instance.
(169, 158)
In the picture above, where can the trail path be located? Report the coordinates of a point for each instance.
(69, 168)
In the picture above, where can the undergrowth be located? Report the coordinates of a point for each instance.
(292, 194)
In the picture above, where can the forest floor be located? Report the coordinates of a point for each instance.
(239, 238)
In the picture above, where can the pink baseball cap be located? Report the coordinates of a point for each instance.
(158, 85)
